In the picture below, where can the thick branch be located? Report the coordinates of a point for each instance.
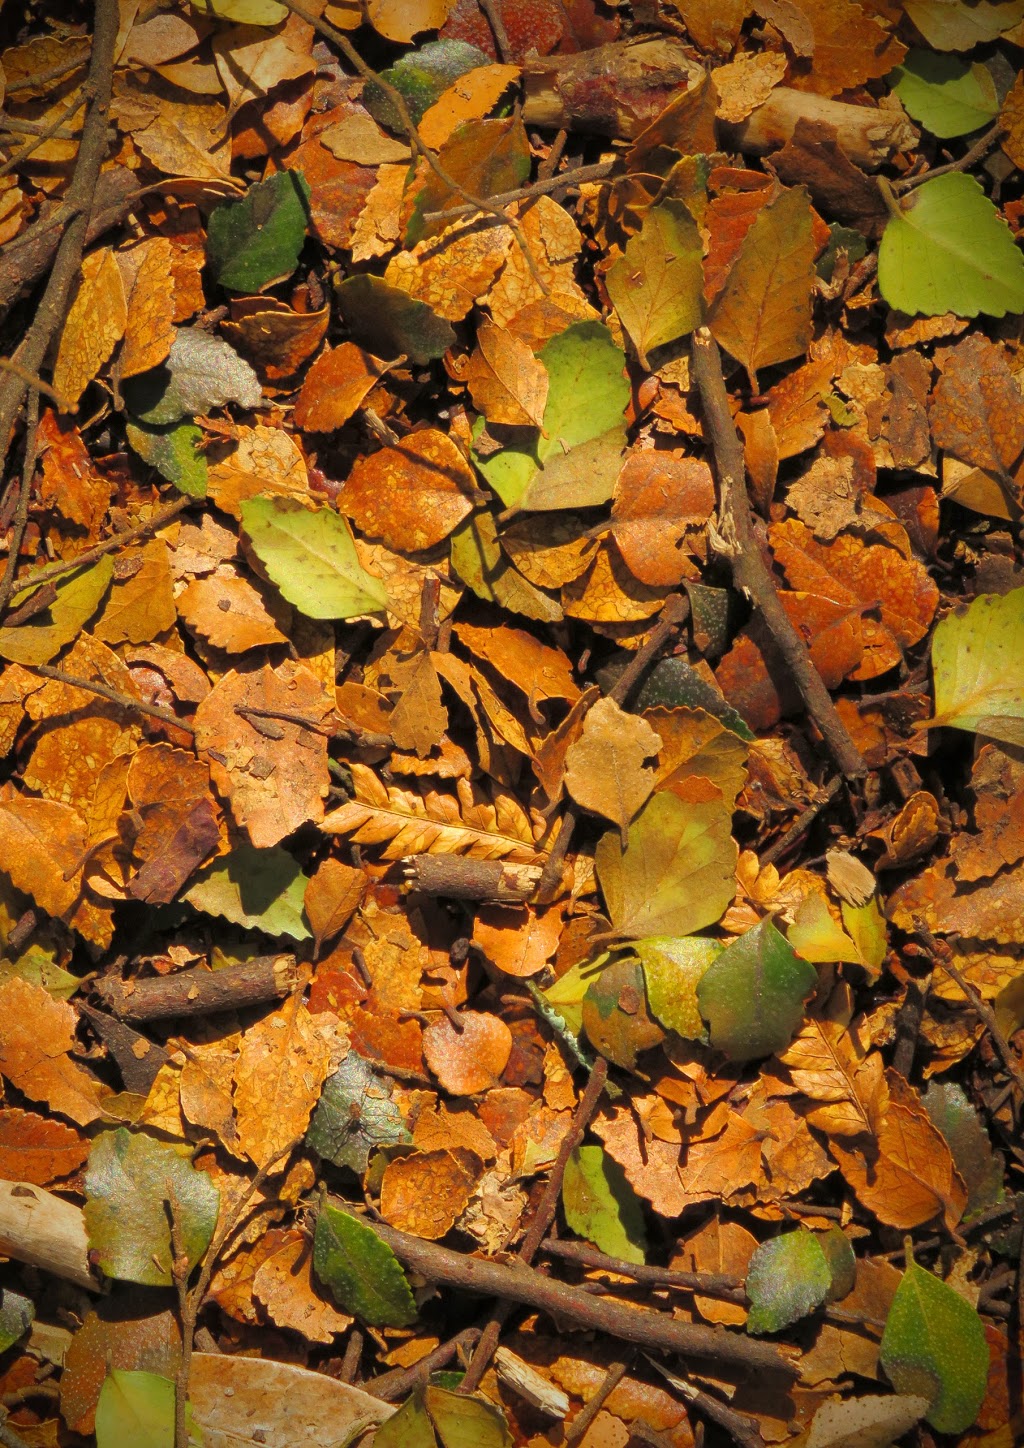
(749, 571)
(200, 992)
(653, 1330)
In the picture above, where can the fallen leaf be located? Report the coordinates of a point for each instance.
(281, 1066)
(605, 768)
(469, 1059)
(94, 326)
(411, 495)
(335, 386)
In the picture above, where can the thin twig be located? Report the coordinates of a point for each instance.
(496, 21)
(722, 1286)
(941, 954)
(408, 125)
(544, 186)
(401, 1381)
(583, 1419)
(38, 78)
(543, 1217)
(734, 538)
(24, 499)
(970, 158)
(45, 133)
(802, 823)
(110, 545)
(36, 384)
(52, 309)
(124, 701)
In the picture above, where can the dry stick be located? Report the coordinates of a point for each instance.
(125, 701)
(673, 615)
(497, 23)
(980, 148)
(544, 186)
(44, 133)
(24, 499)
(109, 545)
(734, 538)
(583, 1419)
(389, 1387)
(477, 203)
(719, 1285)
(802, 823)
(543, 1217)
(36, 384)
(49, 318)
(653, 1330)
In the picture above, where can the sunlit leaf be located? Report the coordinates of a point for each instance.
(978, 665)
(601, 1206)
(752, 996)
(948, 95)
(362, 1273)
(312, 558)
(934, 1346)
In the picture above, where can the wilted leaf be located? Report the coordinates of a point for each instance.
(389, 323)
(363, 1274)
(934, 1346)
(282, 1065)
(355, 1115)
(36, 1149)
(427, 1192)
(675, 874)
(752, 996)
(255, 241)
(134, 1187)
(311, 558)
(948, 250)
(976, 661)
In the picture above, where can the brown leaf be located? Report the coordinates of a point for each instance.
(506, 381)
(604, 769)
(830, 1064)
(42, 843)
(149, 287)
(427, 1192)
(36, 1035)
(411, 495)
(518, 946)
(536, 669)
(762, 315)
(266, 462)
(848, 47)
(228, 613)
(332, 898)
(658, 496)
(140, 605)
(419, 719)
(282, 1064)
(284, 1285)
(470, 1059)
(977, 410)
(37, 1149)
(170, 792)
(335, 386)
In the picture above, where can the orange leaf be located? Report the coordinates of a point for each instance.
(36, 1034)
(657, 497)
(506, 381)
(518, 947)
(335, 386)
(228, 613)
(471, 1059)
(283, 1062)
(332, 897)
(94, 326)
(411, 495)
(604, 769)
(35, 1149)
(427, 1192)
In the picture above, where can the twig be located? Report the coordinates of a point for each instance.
(389, 1387)
(980, 148)
(542, 187)
(125, 701)
(741, 1429)
(109, 545)
(543, 1217)
(941, 954)
(52, 310)
(43, 77)
(718, 1285)
(673, 616)
(44, 133)
(36, 384)
(734, 538)
(583, 1419)
(803, 822)
(24, 499)
(654, 1330)
(495, 20)
(408, 125)
(198, 991)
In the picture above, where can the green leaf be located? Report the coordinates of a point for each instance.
(752, 997)
(676, 873)
(841, 238)
(138, 1408)
(410, 1427)
(389, 323)
(311, 557)
(788, 1277)
(673, 968)
(674, 682)
(79, 595)
(981, 1168)
(948, 95)
(363, 1274)
(355, 1115)
(953, 25)
(258, 889)
(16, 1314)
(421, 76)
(601, 1206)
(615, 1015)
(934, 1345)
(134, 1185)
(465, 1422)
(255, 241)
(587, 392)
(978, 667)
(842, 1263)
(174, 451)
(949, 250)
(657, 287)
(201, 373)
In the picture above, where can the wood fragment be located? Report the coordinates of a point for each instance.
(200, 992)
